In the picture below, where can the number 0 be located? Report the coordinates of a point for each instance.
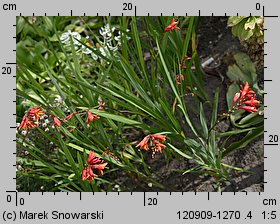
(258, 6)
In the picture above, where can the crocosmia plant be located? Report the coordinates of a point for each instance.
(135, 104)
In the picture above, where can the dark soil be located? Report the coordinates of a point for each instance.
(214, 40)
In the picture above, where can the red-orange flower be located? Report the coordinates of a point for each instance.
(87, 174)
(26, 123)
(248, 108)
(143, 143)
(101, 105)
(154, 142)
(159, 137)
(179, 79)
(252, 102)
(33, 115)
(93, 163)
(69, 116)
(171, 26)
(91, 117)
(186, 58)
(245, 99)
(56, 121)
(36, 113)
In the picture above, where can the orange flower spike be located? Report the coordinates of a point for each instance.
(249, 109)
(26, 123)
(244, 90)
(159, 146)
(69, 116)
(172, 26)
(91, 117)
(100, 167)
(87, 174)
(143, 143)
(161, 138)
(36, 112)
(252, 102)
(56, 121)
(32, 116)
(92, 159)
